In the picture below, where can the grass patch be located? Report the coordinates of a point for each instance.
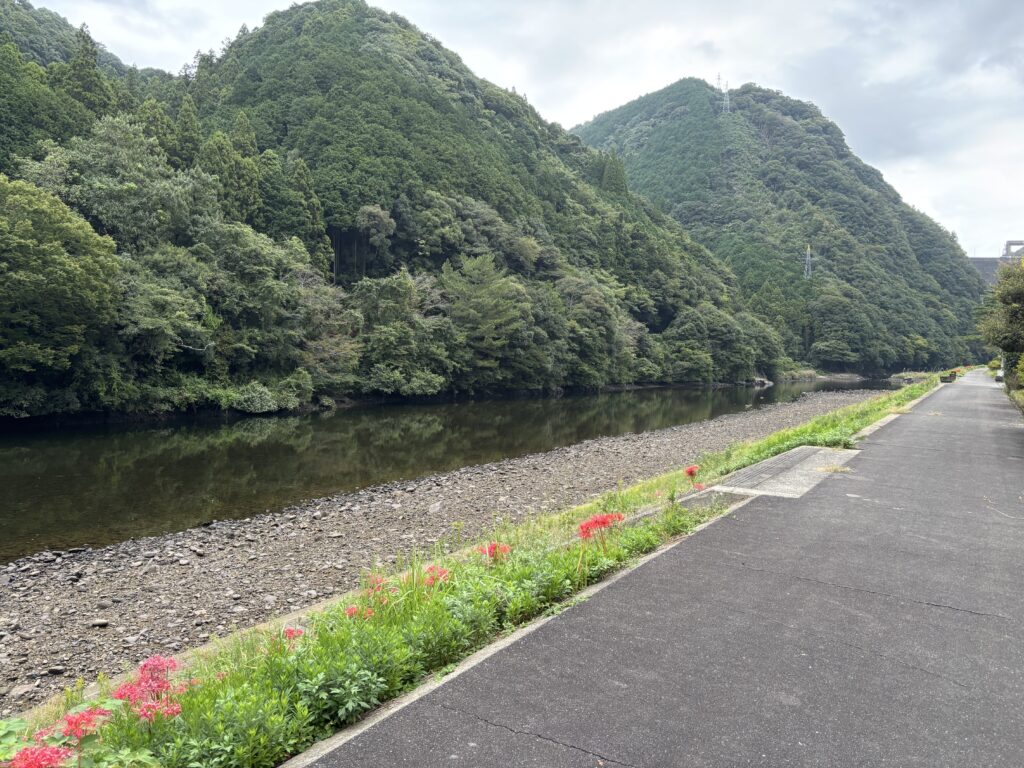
(262, 696)
(1017, 398)
(835, 469)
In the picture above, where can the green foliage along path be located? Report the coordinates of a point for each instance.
(890, 289)
(1002, 326)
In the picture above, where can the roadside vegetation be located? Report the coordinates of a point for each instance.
(261, 696)
(1002, 325)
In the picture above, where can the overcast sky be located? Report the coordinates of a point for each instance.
(929, 91)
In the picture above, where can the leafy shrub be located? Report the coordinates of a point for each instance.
(254, 397)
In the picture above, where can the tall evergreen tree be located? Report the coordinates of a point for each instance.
(492, 313)
(238, 178)
(613, 179)
(188, 137)
(156, 124)
(243, 137)
(81, 78)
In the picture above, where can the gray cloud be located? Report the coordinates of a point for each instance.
(930, 91)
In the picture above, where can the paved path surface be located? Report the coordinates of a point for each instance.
(878, 620)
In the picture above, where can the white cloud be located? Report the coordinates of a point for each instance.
(929, 91)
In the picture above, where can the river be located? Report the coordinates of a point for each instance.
(90, 486)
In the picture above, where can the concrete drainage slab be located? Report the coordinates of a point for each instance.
(790, 474)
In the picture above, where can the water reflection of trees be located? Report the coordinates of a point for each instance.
(66, 488)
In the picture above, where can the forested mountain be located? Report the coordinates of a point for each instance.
(759, 183)
(332, 206)
(46, 37)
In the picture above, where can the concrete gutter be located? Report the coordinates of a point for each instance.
(872, 428)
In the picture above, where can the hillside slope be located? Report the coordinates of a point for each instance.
(337, 206)
(889, 288)
(46, 37)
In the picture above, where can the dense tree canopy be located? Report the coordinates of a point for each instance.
(1002, 322)
(58, 304)
(336, 206)
(46, 37)
(32, 110)
(889, 289)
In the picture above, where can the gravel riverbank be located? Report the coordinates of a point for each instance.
(65, 615)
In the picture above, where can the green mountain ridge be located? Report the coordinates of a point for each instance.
(890, 288)
(46, 37)
(334, 206)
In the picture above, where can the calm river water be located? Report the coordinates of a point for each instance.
(100, 485)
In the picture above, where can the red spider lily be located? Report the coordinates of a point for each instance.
(138, 691)
(221, 675)
(597, 523)
(157, 666)
(435, 574)
(40, 737)
(149, 694)
(292, 633)
(148, 710)
(80, 724)
(368, 613)
(375, 583)
(495, 550)
(352, 610)
(41, 757)
(698, 486)
(692, 470)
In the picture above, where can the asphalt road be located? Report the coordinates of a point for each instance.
(876, 621)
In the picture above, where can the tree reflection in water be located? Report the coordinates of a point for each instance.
(96, 486)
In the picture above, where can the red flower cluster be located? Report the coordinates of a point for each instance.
(150, 693)
(157, 667)
(148, 710)
(495, 550)
(353, 610)
(692, 470)
(435, 574)
(80, 724)
(598, 523)
(41, 757)
(292, 633)
(698, 486)
(376, 586)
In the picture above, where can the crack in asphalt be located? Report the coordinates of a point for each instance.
(548, 739)
(848, 644)
(873, 592)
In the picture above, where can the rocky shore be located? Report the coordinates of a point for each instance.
(65, 615)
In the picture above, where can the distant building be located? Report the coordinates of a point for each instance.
(988, 268)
